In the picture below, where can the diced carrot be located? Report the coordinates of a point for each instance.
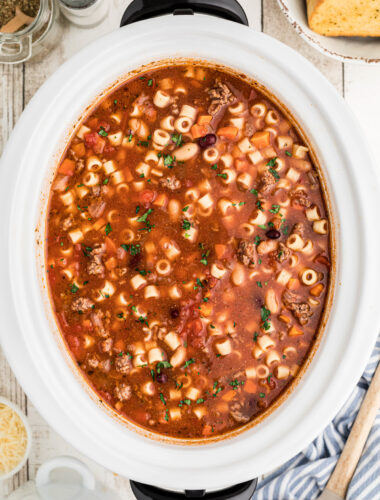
(121, 155)
(161, 200)
(204, 119)
(284, 318)
(295, 331)
(206, 309)
(79, 149)
(241, 164)
(67, 167)
(250, 387)
(229, 132)
(127, 175)
(293, 284)
(220, 250)
(260, 139)
(110, 245)
(119, 345)
(317, 290)
(92, 123)
(207, 430)
(111, 263)
(198, 131)
(229, 396)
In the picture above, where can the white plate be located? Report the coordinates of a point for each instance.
(362, 50)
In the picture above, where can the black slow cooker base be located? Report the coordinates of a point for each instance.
(243, 491)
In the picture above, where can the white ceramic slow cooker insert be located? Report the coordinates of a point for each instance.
(29, 335)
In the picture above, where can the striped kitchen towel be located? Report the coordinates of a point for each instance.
(304, 476)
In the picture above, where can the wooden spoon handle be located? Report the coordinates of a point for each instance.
(15, 24)
(346, 465)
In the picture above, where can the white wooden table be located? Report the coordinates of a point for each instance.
(360, 86)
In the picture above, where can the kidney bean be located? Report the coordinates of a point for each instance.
(273, 234)
(207, 140)
(162, 378)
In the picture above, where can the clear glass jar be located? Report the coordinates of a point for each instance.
(36, 39)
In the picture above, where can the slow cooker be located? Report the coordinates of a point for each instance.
(204, 30)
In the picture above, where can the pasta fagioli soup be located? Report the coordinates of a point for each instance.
(188, 250)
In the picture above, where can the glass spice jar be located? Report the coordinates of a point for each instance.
(37, 38)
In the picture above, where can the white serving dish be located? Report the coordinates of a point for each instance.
(362, 50)
(29, 335)
(25, 422)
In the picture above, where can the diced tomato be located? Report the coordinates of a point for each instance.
(106, 396)
(196, 333)
(150, 113)
(94, 141)
(75, 346)
(67, 167)
(147, 196)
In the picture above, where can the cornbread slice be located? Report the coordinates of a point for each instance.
(344, 17)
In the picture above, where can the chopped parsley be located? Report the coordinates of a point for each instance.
(162, 364)
(102, 132)
(262, 395)
(254, 191)
(177, 139)
(288, 153)
(259, 284)
(74, 288)
(214, 167)
(272, 162)
(132, 249)
(169, 161)
(150, 83)
(235, 384)
(167, 415)
(265, 317)
(257, 241)
(224, 176)
(186, 225)
(274, 173)
(144, 217)
(108, 228)
(255, 336)
(106, 181)
(275, 209)
(162, 398)
(189, 362)
(259, 205)
(185, 209)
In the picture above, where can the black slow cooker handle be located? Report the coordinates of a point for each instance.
(242, 491)
(139, 10)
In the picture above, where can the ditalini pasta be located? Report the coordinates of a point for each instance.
(188, 251)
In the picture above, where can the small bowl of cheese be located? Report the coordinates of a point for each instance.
(15, 439)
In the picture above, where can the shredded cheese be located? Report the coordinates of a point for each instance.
(13, 439)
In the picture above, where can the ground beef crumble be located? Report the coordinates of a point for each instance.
(220, 95)
(301, 310)
(246, 253)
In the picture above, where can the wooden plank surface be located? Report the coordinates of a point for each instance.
(17, 86)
